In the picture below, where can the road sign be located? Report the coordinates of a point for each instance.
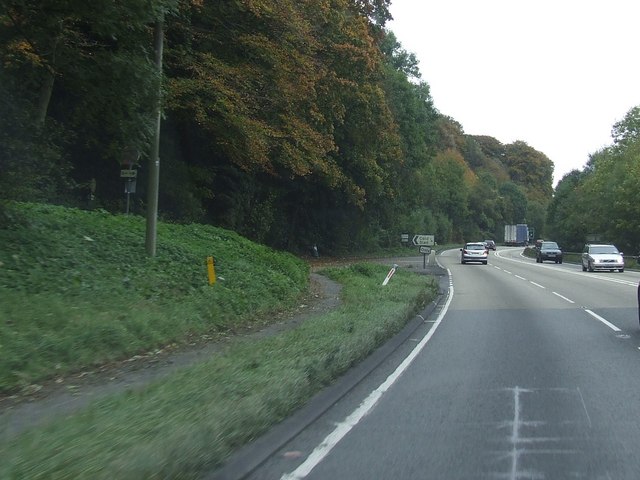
(129, 173)
(423, 240)
(425, 250)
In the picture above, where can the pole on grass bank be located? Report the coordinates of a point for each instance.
(154, 161)
(211, 270)
(390, 274)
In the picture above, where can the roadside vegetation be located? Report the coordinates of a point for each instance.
(77, 290)
(291, 123)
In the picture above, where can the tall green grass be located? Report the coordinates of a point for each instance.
(77, 289)
(187, 424)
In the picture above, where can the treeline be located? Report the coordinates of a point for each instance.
(292, 122)
(601, 202)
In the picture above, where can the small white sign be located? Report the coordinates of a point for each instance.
(129, 173)
(425, 250)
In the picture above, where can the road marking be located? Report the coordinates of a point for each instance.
(331, 440)
(593, 314)
(563, 297)
(515, 433)
(568, 269)
(607, 323)
(584, 405)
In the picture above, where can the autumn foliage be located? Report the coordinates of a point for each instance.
(294, 122)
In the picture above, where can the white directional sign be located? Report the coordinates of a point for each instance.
(423, 240)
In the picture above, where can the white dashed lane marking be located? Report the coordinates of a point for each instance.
(594, 315)
(563, 297)
(599, 318)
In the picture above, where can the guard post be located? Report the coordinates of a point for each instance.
(211, 270)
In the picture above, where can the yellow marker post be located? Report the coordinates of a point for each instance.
(211, 270)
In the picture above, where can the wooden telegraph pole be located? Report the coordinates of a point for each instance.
(154, 161)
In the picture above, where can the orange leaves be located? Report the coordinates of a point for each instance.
(19, 51)
(290, 88)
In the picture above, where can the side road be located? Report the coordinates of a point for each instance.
(65, 395)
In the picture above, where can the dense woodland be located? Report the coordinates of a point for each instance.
(601, 202)
(292, 122)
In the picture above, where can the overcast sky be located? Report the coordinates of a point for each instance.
(556, 74)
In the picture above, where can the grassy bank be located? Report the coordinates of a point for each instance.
(77, 289)
(187, 423)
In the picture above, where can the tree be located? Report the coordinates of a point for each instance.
(485, 203)
(514, 203)
(564, 220)
(530, 169)
(450, 182)
(84, 70)
(627, 130)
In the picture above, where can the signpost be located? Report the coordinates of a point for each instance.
(129, 174)
(128, 162)
(425, 251)
(424, 240)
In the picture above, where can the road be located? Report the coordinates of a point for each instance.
(525, 371)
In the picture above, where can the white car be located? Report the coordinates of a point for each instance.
(602, 257)
(474, 252)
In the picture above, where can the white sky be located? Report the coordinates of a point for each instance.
(556, 74)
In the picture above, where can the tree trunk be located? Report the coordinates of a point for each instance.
(45, 97)
(46, 89)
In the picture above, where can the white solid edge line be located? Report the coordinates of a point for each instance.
(607, 323)
(331, 440)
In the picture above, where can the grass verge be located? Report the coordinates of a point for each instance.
(77, 289)
(189, 423)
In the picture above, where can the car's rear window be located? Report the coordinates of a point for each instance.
(549, 244)
(603, 249)
(474, 246)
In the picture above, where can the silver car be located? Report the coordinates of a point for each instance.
(602, 257)
(474, 252)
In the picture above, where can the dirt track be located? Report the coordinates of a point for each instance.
(65, 395)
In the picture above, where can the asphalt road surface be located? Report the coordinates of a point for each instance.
(524, 371)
